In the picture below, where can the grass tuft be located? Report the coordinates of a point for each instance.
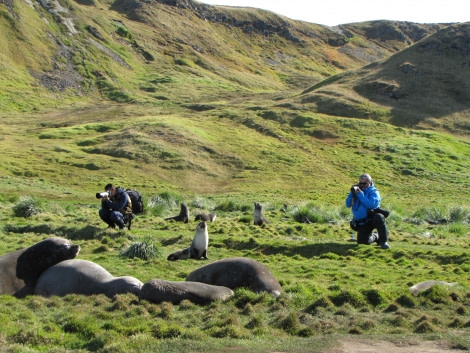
(233, 206)
(375, 297)
(407, 301)
(350, 297)
(437, 294)
(144, 249)
(26, 207)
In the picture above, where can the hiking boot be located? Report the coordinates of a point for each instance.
(384, 245)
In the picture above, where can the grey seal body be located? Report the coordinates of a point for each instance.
(198, 248)
(83, 277)
(258, 215)
(422, 286)
(183, 216)
(157, 291)
(206, 217)
(237, 272)
(19, 270)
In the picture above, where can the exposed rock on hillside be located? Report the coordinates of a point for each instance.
(63, 75)
(214, 14)
(393, 32)
(60, 13)
(187, 52)
(382, 31)
(9, 5)
(414, 87)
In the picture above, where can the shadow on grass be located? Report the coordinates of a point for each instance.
(331, 250)
(85, 233)
(171, 241)
(306, 251)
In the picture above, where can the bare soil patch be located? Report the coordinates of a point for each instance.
(357, 345)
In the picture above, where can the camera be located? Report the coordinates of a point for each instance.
(354, 188)
(100, 195)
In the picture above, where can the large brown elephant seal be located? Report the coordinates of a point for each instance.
(183, 215)
(258, 216)
(237, 272)
(198, 247)
(19, 270)
(83, 277)
(157, 291)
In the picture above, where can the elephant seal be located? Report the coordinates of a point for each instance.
(83, 277)
(237, 272)
(157, 291)
(19, 270)
(183, 215)
(198, 247)
(205, 217)
(422, 286)
(259, 218)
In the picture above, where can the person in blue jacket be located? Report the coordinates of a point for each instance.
(364, 198)
(116, 208)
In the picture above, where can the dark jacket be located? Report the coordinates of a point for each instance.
(119, 202)
(363, 201)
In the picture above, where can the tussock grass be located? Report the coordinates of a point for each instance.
(330, 285)
(166, 200)
(144, 249)
(26, 207)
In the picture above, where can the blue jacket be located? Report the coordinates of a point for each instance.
(363, 201)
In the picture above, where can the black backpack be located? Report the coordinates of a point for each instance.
(136, 199)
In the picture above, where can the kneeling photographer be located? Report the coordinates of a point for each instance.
(116, 207)
(364, 198)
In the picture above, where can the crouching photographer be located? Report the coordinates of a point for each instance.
(116, 207)
(364, 198)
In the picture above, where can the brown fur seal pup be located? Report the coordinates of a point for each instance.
(182, 217)
(237, 272)
(83, 277)
(157, 291)
(205, 217)
(19, 270)
(422, 286)
(259, 218)
(198, 247)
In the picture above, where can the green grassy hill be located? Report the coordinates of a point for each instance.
(207, 99)
(423, 86)
(152, 52)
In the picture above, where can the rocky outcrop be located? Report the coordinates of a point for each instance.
(9, 5)
(213, 14)
(60, 14)
(384, 31)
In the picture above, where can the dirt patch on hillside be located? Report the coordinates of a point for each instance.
(357, 345)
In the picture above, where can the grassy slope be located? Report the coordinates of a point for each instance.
(408, 88)
(211, 58)
(215, 128)
(213, 153)
(331, 286)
